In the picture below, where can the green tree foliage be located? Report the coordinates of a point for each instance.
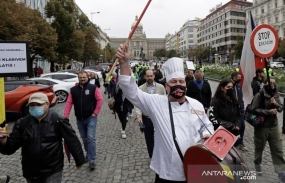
(277, 53)
(160, 52)
(238, 47)
(191, 53)
(281, 49)
(18, 22)
(77, 35)
(64, 20)
(171, 53)
(199, 52)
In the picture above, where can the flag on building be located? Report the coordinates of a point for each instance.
(249, 63)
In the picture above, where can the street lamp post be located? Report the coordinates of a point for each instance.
(92, 14)
(105, 60)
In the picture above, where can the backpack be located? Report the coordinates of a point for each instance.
(251, 117)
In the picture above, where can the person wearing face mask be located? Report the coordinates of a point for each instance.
(268, 106)
(200, 89)
(257, 81)
(150, 87)
(224, 108)
(169, 113)
(236, 78)
(39, 135)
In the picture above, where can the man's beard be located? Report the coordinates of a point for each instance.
(149, 82)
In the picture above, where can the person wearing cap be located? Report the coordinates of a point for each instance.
(190, 121)
(88, 101)
(39, 135)
(267, 103)
(257, 81)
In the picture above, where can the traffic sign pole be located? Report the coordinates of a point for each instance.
(2, 103)
(264, 43)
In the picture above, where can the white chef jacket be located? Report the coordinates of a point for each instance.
(189, 129)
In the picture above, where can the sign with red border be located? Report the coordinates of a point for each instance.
(264, 41)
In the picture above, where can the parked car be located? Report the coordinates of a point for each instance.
(60, 88)
(62, 76)
(96, 71)
(236, 64)
(68, 70)
(276, 65)
(18, 92)
(94, 67)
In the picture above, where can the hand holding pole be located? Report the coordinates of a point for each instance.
(130, 36)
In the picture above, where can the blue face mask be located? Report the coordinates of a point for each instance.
(199, 81)
(37, 111)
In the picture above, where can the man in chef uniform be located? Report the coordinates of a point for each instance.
(188, 115)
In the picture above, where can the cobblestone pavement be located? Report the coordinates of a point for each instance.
(125, 160)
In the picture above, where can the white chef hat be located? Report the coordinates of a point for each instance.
(173, 68)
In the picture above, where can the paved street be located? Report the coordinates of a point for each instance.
(125, 160)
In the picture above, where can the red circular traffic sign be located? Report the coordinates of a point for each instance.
(264, 41)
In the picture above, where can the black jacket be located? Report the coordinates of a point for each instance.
(187, 79)
(84, 100)
(239, 95)
(41, 142)
(224, 113)
(158, 75)
(255, 85)
(119, 102)
(204, 95)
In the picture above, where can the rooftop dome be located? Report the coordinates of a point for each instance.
(134, 23)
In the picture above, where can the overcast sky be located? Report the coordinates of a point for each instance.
(161, 17)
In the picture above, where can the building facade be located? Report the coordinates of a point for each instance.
(221, 28)
(140, 43)
(184, 39)
(270, 12)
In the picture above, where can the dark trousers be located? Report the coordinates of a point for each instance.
(272, 135)
(159, 180)
(123, 118)
(242, 129)
(54, 178)
(148, 134)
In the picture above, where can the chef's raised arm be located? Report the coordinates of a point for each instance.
(128, 84)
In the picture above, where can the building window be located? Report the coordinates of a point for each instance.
(190, 29)
(262, 9)
(262, 21)
(190, 35)
(276, 19)
(276, 3)
(268, 7)
(256, 11)
(269, 20)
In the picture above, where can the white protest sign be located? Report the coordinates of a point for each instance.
(264, 41)
(190, 65)
(76, 66)
(14, 58)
